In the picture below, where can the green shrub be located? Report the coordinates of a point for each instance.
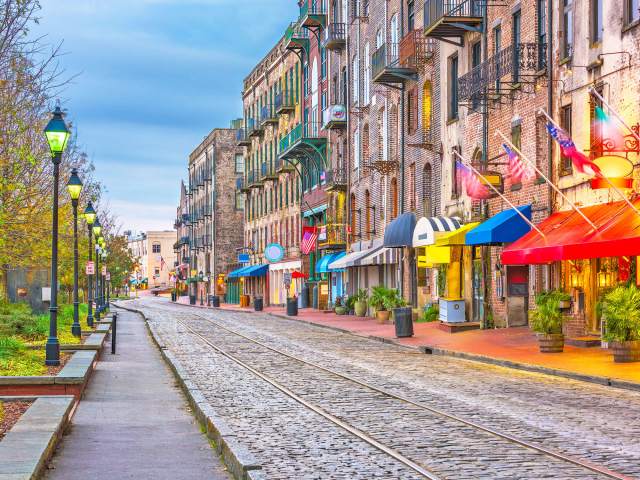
(362, 295)
(621, 309)
(383, 298)
(430, 314)
(350, 302)
(547, 318)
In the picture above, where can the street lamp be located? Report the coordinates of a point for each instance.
(57, 135)
(90, 218)
(74, 186)
(104, 280)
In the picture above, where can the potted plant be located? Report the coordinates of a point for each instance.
(339, 308)
(349, 304)
(546, 321)
(621, 311)
(360, 304)
(380, 301)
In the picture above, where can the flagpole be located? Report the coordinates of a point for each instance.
(616, 189)
(596, 94)
(524, 217)
(564, 197)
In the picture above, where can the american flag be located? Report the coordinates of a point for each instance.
(580, 161)
(162, 263)
(309, 237)
(517, 169)
(473, 186)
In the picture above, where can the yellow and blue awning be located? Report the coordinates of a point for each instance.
(505, 227)
(456, 237)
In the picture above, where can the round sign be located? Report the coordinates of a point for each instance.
(274, 252)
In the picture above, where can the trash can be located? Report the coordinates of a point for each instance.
(304, 296)
(258, 304)
(292, 307)
(174, 296)
(192, 299)
(215, 301)
(403, 322)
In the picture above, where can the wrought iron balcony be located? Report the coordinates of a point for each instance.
(381, 165)
(284, 102)
(400, 62)
(518, 63)
(268, 115)
(241, 185)
(336, 180)
(207, 210)
(296, 38)
(335, 36)
(332, 235)
(186, 218)
(254, 180)
(304, 139)
(334, 117)
(313, 14)
(452, 18)
(183, 240)
(242, 138)
(268, 171)
(254, 129)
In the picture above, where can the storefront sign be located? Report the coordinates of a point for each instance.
(244, 258)
(90, 268)
(274, 252)
(286, 279)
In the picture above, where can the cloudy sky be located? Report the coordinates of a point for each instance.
(155, 76)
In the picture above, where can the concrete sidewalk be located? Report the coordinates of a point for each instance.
(133, 421)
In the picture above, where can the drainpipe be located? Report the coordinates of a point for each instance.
(486, 251)
(550, 110)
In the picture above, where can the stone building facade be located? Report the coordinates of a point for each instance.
(155, 257)
(181, 247)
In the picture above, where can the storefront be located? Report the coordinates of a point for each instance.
(252, 280)
(278, 273)
(584, 261)
(330, 283)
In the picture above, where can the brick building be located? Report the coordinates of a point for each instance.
(181, 247)
(215, 212)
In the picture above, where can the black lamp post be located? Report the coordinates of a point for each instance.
(90, 218)
(74, 186)
(57, 135)
(201, 279)
(97, 228)
(104, 280)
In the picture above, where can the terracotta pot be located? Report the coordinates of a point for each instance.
(360, 308)
(625, 352)
(340, 310)
(383, 316)
(551, 342)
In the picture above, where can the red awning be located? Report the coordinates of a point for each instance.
(569, 237)
(297, 274)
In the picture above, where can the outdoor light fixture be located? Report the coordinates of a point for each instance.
(617, 170)
(57, 135)
(89, 214)
(74, 186)
(97, 228)
(575, 280)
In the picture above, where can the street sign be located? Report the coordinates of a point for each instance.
(90, 268)
(104, 270)
(274, 252)
(244, 258)
(108, 276)
(286, 278)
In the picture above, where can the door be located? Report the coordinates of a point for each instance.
(517, 295)
(477, 306)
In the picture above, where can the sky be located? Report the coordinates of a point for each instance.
(154, 77)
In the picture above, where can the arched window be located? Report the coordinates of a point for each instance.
(394, 198)
(427, 190)
(367, 215)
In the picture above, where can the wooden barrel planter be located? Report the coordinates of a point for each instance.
(626, 352)
(551, 342)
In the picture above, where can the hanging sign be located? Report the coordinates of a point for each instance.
(243, 258)
(274, 252)
(90, 268)
(286, 278)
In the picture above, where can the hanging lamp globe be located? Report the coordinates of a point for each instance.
(90, 214)
(57, 133)
(74, 185)
(97, 228)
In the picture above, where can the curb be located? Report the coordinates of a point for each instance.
(238, 459)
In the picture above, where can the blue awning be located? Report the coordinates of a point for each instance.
(505, 227)
(399, 233)
(322, 266)
(336, 257)
(236, 273)
(255, 271)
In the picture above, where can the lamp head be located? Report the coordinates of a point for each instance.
(74, 185)
(90, 214)
(57, 133)
(97, 228)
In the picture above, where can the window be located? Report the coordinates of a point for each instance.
(567, 28)
(367, 74)
(456, 187)
(515, 41)
(395, 36)
(412, 110)
(367, 214)
(476, 58)
(323, 62)
(426, 107)
(353, 213)
(394, 198)
(497, 46)
(596, 21)
(156, 271)
(239, 201)
(541, 9)
(516, 139)
(356, 79)
(632, 11)
(356, 149)
(411, 15)
(566, 167)
(305, 75)
(596, 130)
(239, 163)
(155, 248)
(412, 187)
(427, 189)
(453, 87)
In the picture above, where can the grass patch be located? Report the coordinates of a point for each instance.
(18, 360)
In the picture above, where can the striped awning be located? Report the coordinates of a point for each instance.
(425, 232)
(379, 256)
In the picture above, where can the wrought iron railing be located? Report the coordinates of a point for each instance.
(253, 126)
(315, 7)
(336, 178)
(515, 62)
(332, 234)
(296, 31)
(335, 32)
(284, 100)
(267, 113)
(242, 135)
(411, 53)
(434, 10)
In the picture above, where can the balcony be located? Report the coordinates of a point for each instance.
(425, 137)
(284, 103)
(283, 166)
(183, 241)
(254, 129)
(241, 185)
(268, 115)
(332, 235)
(400, 62)
(335, 36)
(336, 180)
(296, 38)
(268, 172)
(242, 138)
(303, 140)
(253, 180)
(206, 241)
(186, 218)
(381, 165)
(334, 117)
(313, 14)
(452, 18)
(207, 210)
(519, 63)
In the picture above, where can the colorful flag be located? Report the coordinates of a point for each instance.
(309, 237)
(580, 161)
(518, 171)
(162, 263)
(606, 130)
(473, 186)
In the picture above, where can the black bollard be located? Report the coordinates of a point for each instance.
(114, 327)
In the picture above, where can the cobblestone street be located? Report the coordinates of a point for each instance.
(340, 406)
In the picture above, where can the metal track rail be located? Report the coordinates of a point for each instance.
(505, 436)
(333, 419)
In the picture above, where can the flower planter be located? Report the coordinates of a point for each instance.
(383, 316)
(360, 309)
(626, 352)
(341, 311)
(551, 342)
